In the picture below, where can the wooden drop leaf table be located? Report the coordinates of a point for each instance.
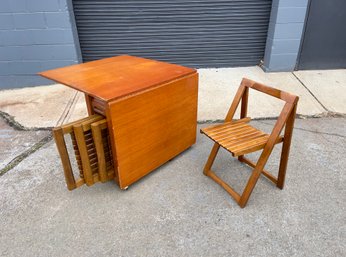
(142, 113)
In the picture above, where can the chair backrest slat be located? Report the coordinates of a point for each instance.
(287, 97)
(242, 95)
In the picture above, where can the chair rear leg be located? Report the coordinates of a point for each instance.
(286, 148)
(211, 159)
(283, 163)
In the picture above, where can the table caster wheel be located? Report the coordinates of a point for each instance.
(125, 188)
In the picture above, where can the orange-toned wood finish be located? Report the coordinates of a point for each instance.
(239, 138)
(151, 128)
(91, 148)
(150, 109)
(116, 77)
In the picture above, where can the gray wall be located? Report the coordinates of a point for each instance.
(285, 34)
(35, 35)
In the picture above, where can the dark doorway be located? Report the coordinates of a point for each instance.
(324, 43)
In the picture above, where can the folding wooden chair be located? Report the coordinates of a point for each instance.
(239, 138)
(91, 147)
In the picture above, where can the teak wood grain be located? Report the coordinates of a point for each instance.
(239, 138)
(150, 109)
(151, 128)
(87, 151)
(116, 77)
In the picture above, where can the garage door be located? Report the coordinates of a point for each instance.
(194, 33)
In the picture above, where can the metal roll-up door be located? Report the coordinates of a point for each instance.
(195, 33)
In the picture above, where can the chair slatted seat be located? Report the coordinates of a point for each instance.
(239, 137)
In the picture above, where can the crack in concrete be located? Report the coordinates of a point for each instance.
(15, 161)
(67, 109)
(298, 116)
(10, 120)
(312, 131)
(302, 83)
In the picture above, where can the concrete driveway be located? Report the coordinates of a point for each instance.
(177, 211)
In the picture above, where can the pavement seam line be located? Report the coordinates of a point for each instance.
(18, 159)
(63, 115)
(312, 131)
(73, 102)
(72, 107)
(298, 116)
(302, 83)
(67, 109)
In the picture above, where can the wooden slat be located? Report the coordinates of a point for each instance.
(233, 138)
(76, 153)
(287, 97)
(238, 143)
(94, 165)
(226, 129)
(79, 133)
(90, 147)
(266, 173)
(241, 139)
(68, 128)
(92, 156)
(87, 124)
(255, 145)
(214, 127)
(224, 185)
(89, 140)
(110, 175)
(99, 146)
(222, 127)
(235, 103)
(240, 131)
(245, 142)
(244, 103)
(286, 147)
(61, 145)
(80, 182)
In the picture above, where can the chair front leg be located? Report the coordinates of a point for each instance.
(249, 187)
(256, 173)
(211, 159)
